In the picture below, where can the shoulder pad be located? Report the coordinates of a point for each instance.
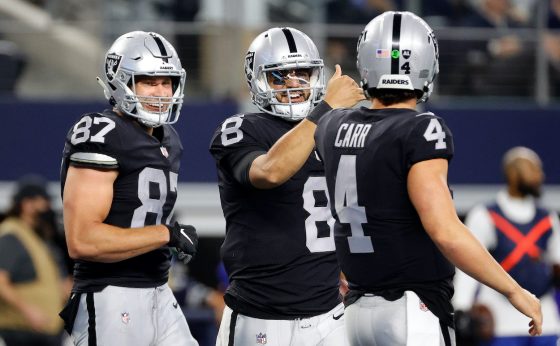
(94, 140)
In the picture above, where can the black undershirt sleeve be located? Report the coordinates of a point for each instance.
(241, 169)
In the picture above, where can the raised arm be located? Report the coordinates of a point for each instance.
(290, 152)
(428, 191)
(88, 195)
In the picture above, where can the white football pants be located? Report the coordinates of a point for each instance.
(374, 321)
(322, 330)
(127, 316)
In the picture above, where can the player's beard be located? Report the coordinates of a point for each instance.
(527, 189)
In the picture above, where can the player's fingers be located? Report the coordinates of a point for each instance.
(535, 328)
(337, 71)
(359, 92)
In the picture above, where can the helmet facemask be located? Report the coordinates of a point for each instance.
(160, 109)
(298, 89)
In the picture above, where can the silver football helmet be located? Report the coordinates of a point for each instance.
(140, 53)
(274, 55)
(398, 50)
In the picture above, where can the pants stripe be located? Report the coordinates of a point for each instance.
(445, 333)
(232, 323)
(92, 337)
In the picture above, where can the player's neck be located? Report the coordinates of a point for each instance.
(411, 104)
(149, 130)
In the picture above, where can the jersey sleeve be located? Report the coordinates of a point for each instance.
(430, 138)
(94, 142)
(233, 140)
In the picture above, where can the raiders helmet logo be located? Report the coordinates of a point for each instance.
(111, 65)
(432, 39)
(249, 63)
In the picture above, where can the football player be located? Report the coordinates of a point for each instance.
(397, 233)
(279, 246)
(119, 185)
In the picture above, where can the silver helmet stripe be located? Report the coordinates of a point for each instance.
(290, 39)
(395, 60)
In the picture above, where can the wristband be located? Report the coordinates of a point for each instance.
(321, 109)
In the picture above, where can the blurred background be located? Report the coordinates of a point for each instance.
(498, 87)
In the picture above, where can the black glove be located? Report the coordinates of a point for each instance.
(184, 257)
(185, 239)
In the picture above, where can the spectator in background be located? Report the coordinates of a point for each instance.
(32, 289)
(358, 11)
(525, 239)
(499, 14)
(443, 12)
(188, 45)
(341, 51)
(552, 45)
(484, 67)
(12, 64)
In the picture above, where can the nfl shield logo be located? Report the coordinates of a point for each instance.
(125, 317)
(261, 338)
(111, 65)
(164, 152)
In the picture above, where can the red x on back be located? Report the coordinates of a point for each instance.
(525, 244)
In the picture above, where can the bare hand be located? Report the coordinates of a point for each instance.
(343, 91)
(530, 306)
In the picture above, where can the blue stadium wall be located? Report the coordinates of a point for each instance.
(34, 132)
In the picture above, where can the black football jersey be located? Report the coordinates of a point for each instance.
(380, 240)
(144, 192)
(279, 245)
